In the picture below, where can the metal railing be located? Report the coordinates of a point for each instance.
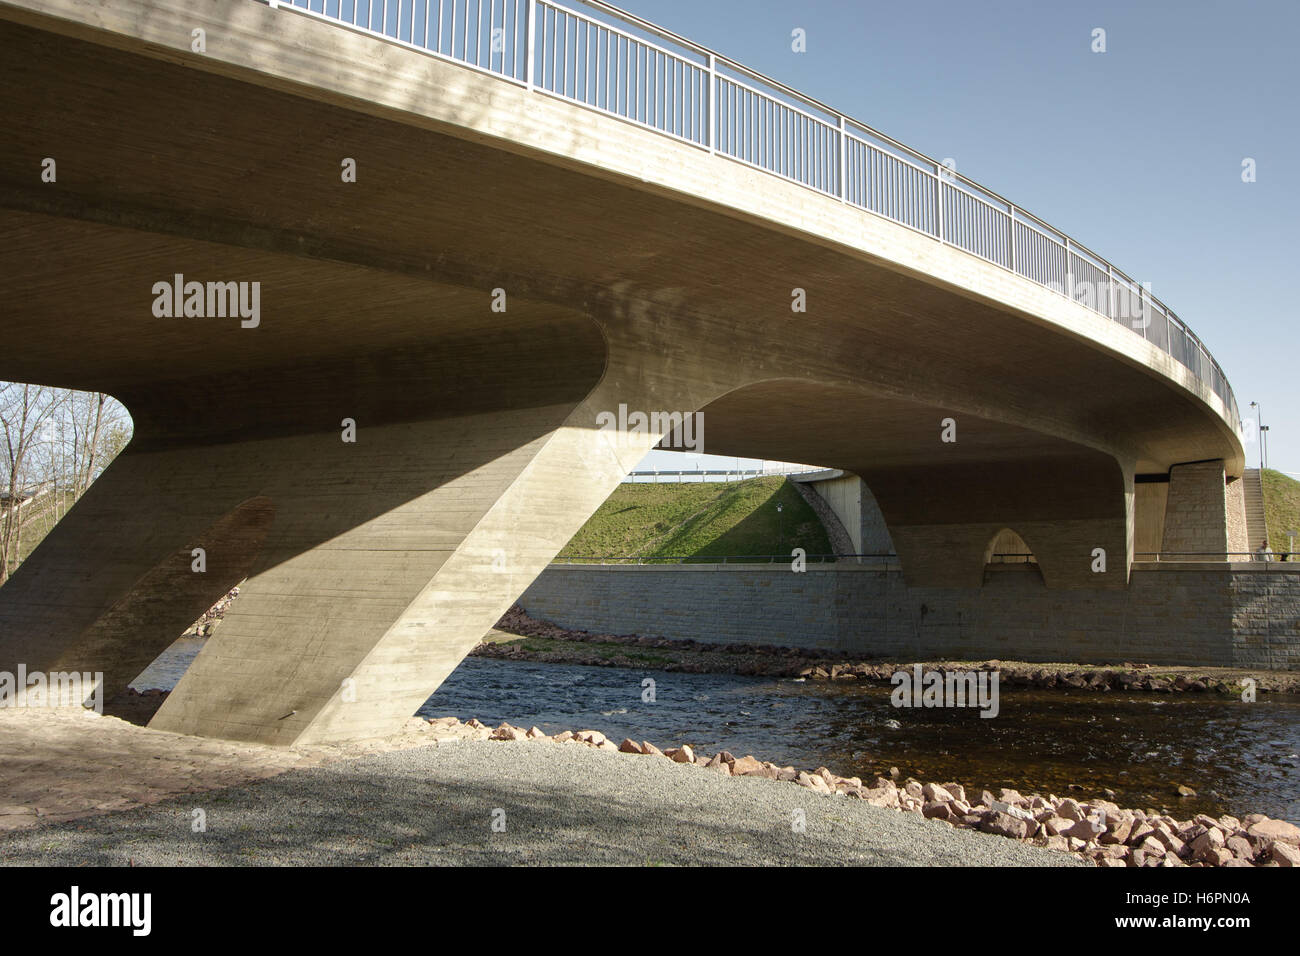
(1170, 557)
(888, 560)
(1012, 558)
(701, 475)
(617, 63)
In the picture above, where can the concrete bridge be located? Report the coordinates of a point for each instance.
(466, 253)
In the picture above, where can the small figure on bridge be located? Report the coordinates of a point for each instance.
(1265, 552)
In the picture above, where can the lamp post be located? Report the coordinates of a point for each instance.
(780, 527)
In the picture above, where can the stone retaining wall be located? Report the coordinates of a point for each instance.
(1244, 615)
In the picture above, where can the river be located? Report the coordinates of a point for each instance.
(1240, 758)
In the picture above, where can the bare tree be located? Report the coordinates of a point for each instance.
(56, 443)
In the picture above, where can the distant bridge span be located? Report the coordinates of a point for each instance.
(590, 213)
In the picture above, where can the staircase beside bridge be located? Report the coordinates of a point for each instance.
(1253, 490)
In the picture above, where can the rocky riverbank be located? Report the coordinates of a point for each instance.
(522, 638)
(1096, 830)
(69, 767)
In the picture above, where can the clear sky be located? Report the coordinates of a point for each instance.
(1136, 152)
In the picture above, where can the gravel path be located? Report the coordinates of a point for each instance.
(562, 803)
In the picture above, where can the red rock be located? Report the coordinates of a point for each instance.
(746, 766)
(882, 797)
(1070, 809)
(1004, 824)
(932, 792)
(1276, 830)
(1054, 825)
(1119, 833)
(1085, 830)
(1171, 842)
(1284, 854)
(1240, 847)
(1153, 847)
(629, 747)
(812, 782)
(938, 810)
(1218, 856)
(1208, 840)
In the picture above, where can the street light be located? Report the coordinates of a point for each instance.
(780, 527)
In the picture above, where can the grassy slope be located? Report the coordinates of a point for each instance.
(37, 523)
(701, 520)
(1281, 508)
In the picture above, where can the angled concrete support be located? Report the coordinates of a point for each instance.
(388, 565)
(390, 558)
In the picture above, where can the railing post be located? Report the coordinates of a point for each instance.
(844, 165)
(1011, 237)
(938, 201)
(532, 34)
(711, 119)
(1110, 292)
(1069, 277)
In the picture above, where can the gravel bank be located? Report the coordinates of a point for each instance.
(564, 804)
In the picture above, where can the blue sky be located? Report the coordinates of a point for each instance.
(1135, 152)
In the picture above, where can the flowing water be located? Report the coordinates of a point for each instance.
(1240, 758)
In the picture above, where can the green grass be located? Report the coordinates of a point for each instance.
(40, 518)
(1281, 508)
(701, 520)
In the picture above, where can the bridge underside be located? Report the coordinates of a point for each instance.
(373, 566)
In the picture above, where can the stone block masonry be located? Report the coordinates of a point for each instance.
(1244, 615)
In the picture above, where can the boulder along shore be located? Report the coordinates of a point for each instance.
(1095, 830)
